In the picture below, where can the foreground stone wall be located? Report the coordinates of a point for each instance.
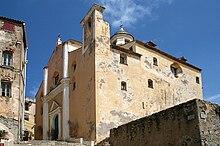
(209, 122)
(194, 123)
(11, 124)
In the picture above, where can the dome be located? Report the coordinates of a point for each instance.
(121, 37)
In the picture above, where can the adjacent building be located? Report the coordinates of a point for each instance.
(13, 52)
(29, 116)
(106, 81)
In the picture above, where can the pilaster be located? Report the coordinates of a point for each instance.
(45, 105)
(65, 82)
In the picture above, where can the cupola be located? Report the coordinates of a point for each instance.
(121, 37)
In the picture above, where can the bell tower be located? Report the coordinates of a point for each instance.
(91, 23)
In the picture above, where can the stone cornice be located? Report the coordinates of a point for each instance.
(57, 90)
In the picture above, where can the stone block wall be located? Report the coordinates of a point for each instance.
(12, 125)
(209, 123)
(193, 123)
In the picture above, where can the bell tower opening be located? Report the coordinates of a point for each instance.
(88, 24)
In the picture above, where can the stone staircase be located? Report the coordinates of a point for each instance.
(74, 142)
(53, 143)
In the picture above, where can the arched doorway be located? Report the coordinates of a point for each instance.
(55, 128)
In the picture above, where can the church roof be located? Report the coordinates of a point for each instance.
(167, 55)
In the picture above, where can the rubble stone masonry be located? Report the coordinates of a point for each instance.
(13, 49)
(194, 123)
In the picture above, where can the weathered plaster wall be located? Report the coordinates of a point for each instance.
(180, 89)
(102, 53)
(55, 65)
(179, 125)
(82, 99)
(138, 100)
(12, 41)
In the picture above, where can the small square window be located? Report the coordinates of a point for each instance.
(123, 86)
(26, 117)
(150, 83)
(123, 59)
(197, 80)
(26, 105)
(155, 61)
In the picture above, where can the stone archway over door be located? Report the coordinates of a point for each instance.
(55, 121)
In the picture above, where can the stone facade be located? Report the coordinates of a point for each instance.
(13, 50)
(194, 123)
(105, 82)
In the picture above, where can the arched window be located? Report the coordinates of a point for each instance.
(155, 61)
(89, 22)
(56, 78)
(127, 41)
(73, 83)
(150, 83)
(74, 65)
(176, 69)
(123, 85)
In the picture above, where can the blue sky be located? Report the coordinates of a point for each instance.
(189, 28)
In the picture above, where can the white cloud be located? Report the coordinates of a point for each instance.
(214, 97)
(130, 11)
(33, 91)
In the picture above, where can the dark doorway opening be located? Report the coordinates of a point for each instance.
(55, 128)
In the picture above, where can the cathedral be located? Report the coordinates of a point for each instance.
(105, 81)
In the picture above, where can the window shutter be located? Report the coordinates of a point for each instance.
(8, 26)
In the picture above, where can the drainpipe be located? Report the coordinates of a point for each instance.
(24, 93)
(21, 99)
